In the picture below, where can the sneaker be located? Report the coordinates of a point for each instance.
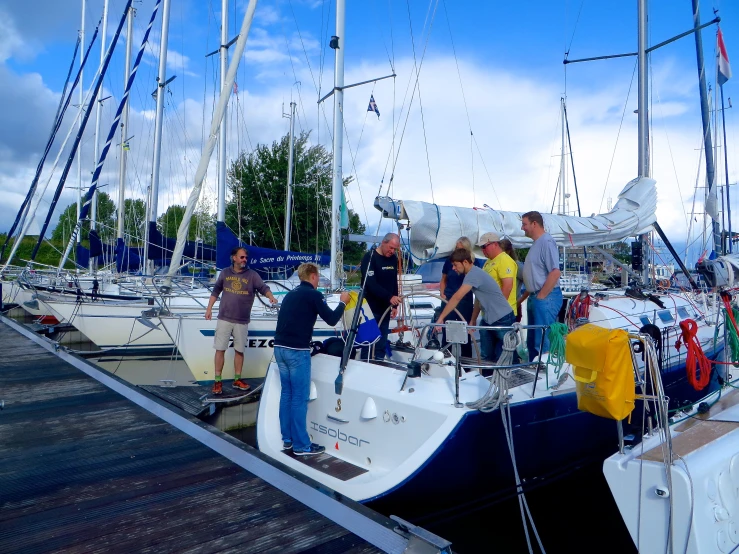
(218, 387)
(311, 450)
(239, 384)
(287, 445)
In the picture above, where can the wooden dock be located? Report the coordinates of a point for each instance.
(90, 463)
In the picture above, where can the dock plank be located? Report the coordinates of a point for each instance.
(86, 470)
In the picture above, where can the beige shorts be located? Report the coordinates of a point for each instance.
(226, 329)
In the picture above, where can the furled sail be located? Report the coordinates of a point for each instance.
(434, 229)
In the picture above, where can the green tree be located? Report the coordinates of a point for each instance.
(106, 216)
(353, 251)
(202, 224)
(622, 252)
(134, 220)
(258, 185)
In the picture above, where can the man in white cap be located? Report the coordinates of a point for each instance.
(501, 267)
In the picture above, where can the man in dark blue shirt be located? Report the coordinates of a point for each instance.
(380, 281)
(298, 313)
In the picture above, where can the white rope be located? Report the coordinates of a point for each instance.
(498, 390)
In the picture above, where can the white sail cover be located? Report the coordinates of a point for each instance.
(434, 229)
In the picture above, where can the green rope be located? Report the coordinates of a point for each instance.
(557, 334)
(731, 336)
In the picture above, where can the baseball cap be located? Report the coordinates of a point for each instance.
(485, 238)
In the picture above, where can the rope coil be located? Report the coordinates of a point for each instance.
(697, 364)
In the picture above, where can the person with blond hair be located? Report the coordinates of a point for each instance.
(298, 313)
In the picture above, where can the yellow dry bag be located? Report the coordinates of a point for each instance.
(602, 367)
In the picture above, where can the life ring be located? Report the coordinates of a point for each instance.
(664, 283)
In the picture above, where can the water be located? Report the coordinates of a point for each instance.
(574, 515)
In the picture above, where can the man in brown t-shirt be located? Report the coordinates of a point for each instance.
(238, 285)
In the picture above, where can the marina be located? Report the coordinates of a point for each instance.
(277, 339)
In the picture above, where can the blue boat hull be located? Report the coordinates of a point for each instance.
(472, 469)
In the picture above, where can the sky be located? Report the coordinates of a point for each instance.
(472, 118)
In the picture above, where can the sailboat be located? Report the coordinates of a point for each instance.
(428, 432)
(677, 488)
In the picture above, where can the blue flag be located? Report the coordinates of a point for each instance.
(373, 106)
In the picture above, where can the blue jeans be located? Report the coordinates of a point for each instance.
(497, 336)
(381, 344)
(542, 312)
(486, 342)
(295, 380)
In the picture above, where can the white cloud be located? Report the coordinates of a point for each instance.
(10, 40)
(267, 15)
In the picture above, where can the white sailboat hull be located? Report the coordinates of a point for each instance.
(111, 325)
(193, 335)
(700, 512)
(373, 425)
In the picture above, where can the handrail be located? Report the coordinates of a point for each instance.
(458, 364)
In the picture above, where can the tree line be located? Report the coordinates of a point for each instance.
(257, 183)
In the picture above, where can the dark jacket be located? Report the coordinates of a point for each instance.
(381, 282)
(298, 313)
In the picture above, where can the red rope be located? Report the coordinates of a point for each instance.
(730, 311)
(580, 307)
(696, 360)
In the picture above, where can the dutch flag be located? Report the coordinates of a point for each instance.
(724, 69)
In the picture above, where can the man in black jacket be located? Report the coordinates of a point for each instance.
(380, 282)
(298, 314)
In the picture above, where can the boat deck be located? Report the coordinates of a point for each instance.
(91, 463)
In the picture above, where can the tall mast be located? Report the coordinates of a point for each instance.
(79, 123)
(337, 264)
(161, 83)
(223, 56)
(124, 127)
(290, 161)
(210, 145)
(563, 182)
(98, 117)
(643, 112)
(726, 166)
(705, 117)
(563, 166)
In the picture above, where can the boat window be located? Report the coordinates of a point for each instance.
(430, 272)
(665, 316)
(645, 320)
(422, 306)
(682, 311)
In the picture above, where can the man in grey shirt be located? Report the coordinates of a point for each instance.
(498, 311)
(238, 284)
(541, 279)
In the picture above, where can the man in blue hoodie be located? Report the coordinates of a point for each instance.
(298, 313)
